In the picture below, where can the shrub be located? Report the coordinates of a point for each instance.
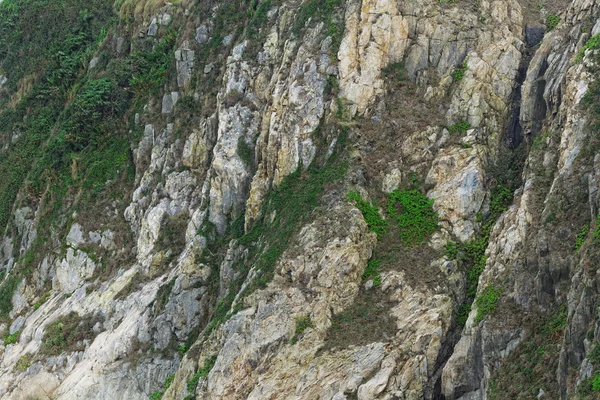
(370, 212)
(12, 339)
(592, 44)
(459, 72)
(372, 271)
(24, 362)
(552, 21)
(451, 250)
(396, 71)
(459, 127)
(302, 323)
(486, 302)
(414, 215)
(68, 332)
(245, 152)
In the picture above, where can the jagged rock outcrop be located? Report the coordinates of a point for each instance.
(214, 253)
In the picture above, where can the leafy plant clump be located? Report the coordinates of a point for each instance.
(24, 362)
(459, 72)
(245, 152)
(68, 333)
(303, 322)
(459, 127)
(592, 44)
(396, 71)
(451, 250)
(552, 21)
(370, 212)
(12, 339)
(321, 10)
(372, 271)
(486, 302)
(413, 212)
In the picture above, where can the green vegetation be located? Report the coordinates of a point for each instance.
(245, 152)
(410, 209)
(592, 44)
(7, 289)
(67, 333)
(12, 339)
(372, 271)
(413, 212)
(471, 255)
(459, 72)
(370, 212)
(289, 204)
(552, 21)
(451, 250)
(202, 372)
(459, 127)
(321, 10)
(395, 71)
(581, 236)
(258, 19)
(486, 302)
(533, 363)
(159, 393)
(540, 139)
(596, 234)
(24, 362)
(303, 322)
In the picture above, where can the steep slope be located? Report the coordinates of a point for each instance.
(319, 199)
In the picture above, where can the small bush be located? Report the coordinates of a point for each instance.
(370, 212)
(24, 362)
(12, 339)
(395, 71)
(451, 250)
(414, 214)
(486, 302)
(459, 72)
(302, 323)
(592, 44)
(68, 332)
(372, 271)
(552, 21)
(245, 152)
(459, 127)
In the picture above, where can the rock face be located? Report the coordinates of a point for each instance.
(218, 255)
